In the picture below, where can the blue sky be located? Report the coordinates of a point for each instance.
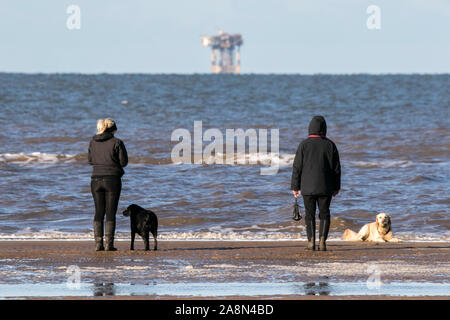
(280, 36)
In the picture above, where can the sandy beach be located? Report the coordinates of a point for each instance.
(263, 267)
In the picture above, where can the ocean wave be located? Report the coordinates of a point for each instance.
(235, 159)
(382, 164)
(253, 158)
(424, 178)
(204, 236)
(36, 157)
(37, 140)
(149, 160)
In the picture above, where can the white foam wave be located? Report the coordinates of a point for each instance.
(383, 164)
(184, 236)
(286, 159)
(263, 159)
(203, 236)
(255, 158)
(35, 157)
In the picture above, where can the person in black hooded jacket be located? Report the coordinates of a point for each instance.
(316, 175)
(108, 156)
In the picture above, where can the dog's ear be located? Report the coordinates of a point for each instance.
(389, 223)
(376, 220)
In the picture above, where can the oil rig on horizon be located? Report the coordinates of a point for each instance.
(224, 44)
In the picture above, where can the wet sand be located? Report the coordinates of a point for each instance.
(188, 262)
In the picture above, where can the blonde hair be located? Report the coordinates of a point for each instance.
(102, 125)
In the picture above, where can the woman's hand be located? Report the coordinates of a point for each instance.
(296, 193)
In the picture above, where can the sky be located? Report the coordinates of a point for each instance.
(280, 36)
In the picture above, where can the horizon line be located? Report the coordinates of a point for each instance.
(219, 74)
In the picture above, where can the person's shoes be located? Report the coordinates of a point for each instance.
(311, 244)
(98, 236)
(99, 244)
(110, 244)
(109, 235)
(323, 233)
(322, 244)
(311, 234)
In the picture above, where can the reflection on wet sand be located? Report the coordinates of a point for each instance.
(319, 289)
(220, 290)
(101, 289)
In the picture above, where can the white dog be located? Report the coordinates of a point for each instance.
(378, 231)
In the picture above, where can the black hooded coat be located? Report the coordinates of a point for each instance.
(317, 169)
(107, 155)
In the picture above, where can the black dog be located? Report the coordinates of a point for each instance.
(142, 222)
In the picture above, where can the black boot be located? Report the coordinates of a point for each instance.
(323, 233)
(98, 235)
(109, 235)
(311, 234)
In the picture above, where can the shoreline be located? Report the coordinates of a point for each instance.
(124, 237)
(270, 266)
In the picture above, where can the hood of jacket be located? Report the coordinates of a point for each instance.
(103, 137)
(318, 126)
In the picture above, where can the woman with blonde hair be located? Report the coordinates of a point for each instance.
(108, 156)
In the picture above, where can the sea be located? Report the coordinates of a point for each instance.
(392, 133)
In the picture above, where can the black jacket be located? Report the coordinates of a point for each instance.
(108, 155)
(316, 170)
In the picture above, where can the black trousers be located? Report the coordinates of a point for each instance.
(311, 202)
(106, 194)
